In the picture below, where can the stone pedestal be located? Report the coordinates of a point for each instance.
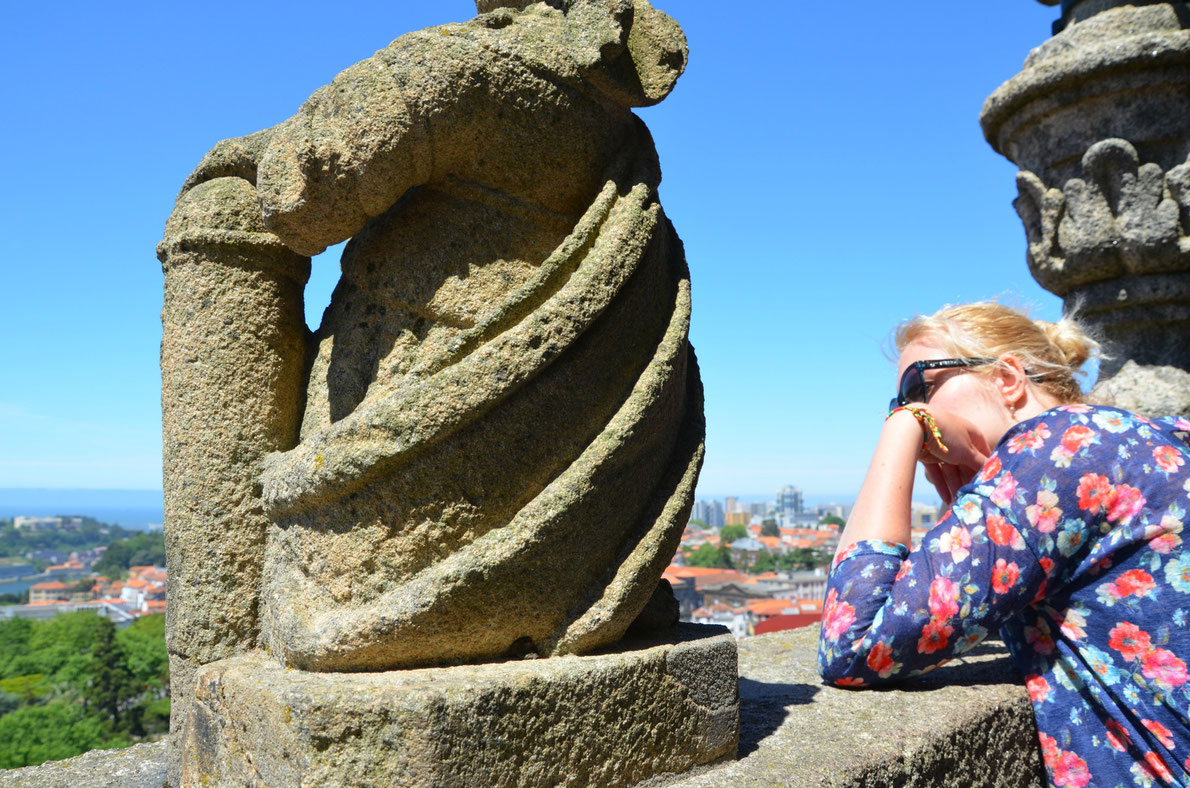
(651, 707)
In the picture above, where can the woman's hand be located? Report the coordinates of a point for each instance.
(946, 478)
(967, 451)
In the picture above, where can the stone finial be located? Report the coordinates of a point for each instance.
(1096, 121)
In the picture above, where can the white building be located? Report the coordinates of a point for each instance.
(47, 523)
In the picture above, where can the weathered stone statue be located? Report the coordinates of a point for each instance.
(489, 447)
(1098, 122)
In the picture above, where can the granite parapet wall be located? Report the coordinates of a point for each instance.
(969, 723)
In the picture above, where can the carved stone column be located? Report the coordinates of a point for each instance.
(1099, 122)
(233, 356)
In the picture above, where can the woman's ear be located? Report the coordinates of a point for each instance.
(1012, 381)
(635, 53)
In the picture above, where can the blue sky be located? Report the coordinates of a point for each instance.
(822, 162)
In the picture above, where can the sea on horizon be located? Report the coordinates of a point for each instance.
(134, 509)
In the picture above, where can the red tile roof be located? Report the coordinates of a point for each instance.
(768, 607)
(781, 623)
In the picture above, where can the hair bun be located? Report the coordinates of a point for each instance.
(1071, 343)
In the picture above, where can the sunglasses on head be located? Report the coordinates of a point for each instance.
(913, 386)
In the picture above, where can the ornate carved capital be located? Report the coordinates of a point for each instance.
(1120, 218)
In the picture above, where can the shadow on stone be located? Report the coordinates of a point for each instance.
(968, 672)
(764, 705)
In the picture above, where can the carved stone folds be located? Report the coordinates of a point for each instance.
(489, 448)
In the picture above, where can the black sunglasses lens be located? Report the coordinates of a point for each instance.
(913, 386)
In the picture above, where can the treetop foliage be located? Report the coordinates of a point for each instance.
(732, 532)
(74, 683)
(142, 549)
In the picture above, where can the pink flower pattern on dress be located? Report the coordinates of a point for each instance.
(836, 616)
(1164, 668)
(1162, 733)
(1116, 736)
(1005, 489)
(1134, 582)
(1044, 514)
(957, 542)
(1031, 440)
(1123, 504)
(1039, 688)
(1068, 541)
(1004, 576)
(944, 597)
(1168, 458)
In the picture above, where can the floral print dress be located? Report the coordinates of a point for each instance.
(1069, 542)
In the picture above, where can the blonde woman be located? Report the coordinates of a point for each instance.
(1063, 532)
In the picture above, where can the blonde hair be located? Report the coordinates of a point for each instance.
(1051, 353)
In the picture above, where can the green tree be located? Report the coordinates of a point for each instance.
(8, 702)
(699, 523)
(61, 647)
(155, 720)
(803, 558)
(25, 688)
(143, 644)
(832, 519)
(708, 555)
(14, 641)
(16, 542)
(143, 549)
(765, 562)
(770, 528)
(35, 734)
(111, 683)
(732, 532)
(73, 683)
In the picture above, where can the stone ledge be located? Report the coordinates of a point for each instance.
(140, 766)
(967, 724)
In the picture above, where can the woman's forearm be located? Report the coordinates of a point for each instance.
(881, 509)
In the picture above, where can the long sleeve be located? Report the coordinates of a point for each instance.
(892, 613)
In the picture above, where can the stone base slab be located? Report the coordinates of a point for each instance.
(651, 707)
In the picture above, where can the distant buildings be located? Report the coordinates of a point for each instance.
(771, 600)
(118, 615)
(709, 512)
(837, 509)
(122, 601)
(789, 501)
(923, 516)
(760, 510)
(745, 604)
(47, 523)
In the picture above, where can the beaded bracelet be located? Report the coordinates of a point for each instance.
(927, 422)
